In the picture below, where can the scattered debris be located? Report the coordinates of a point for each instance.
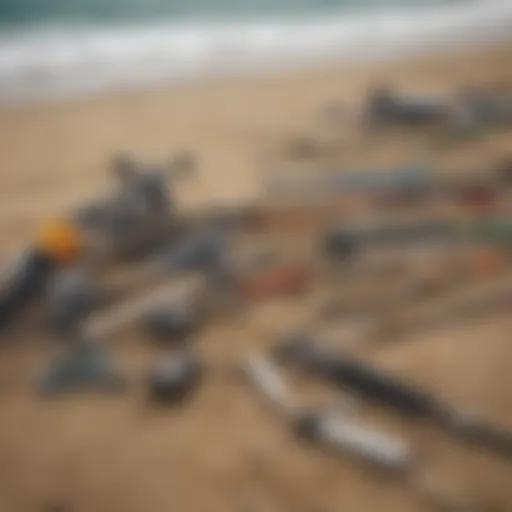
(386, 108)
(188, 265)
(263, 374)
(340, 245)
(468, 113)
(141, 216)
(345, 436)
(104, 324)
(22, 281)
(172, 326)
(489, 105)
(279, 280)
(85, 365)
(408, 179)
(174, 377)
(72, 295)
(324, 427)
(392, 233)
(385, 389)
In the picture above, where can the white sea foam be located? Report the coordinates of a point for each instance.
(52, 63)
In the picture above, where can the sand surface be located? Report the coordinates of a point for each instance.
(225, 450)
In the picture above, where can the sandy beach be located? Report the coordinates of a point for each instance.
(98, 454)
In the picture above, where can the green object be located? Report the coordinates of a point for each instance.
(491, 229)
(468, 130)
(83, 367)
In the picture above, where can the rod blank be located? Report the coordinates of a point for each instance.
(325, 428)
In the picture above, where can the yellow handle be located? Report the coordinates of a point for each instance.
(61, 240)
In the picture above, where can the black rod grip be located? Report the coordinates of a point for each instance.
(24, 282)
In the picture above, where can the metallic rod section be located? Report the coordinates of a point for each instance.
(347, 437)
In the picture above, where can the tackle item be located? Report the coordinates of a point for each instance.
(104, 324)
(344, 242)
(329, 429)
(385, 107)
(139, 217)
(61, 240)
(72, 295)
(86, 365)
(172, 325)
(58, 244)
(324, 427)
(23, 281)
(173, 378)
(380, 387)
(339, 245)
(276, 281)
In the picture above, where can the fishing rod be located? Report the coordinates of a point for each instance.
(381, 388)
(335, 431)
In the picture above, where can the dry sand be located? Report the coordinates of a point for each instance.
(100, 454)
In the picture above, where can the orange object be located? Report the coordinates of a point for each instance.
(60, 240)
(291, 217)
(485, 261)
(477, 198)
(282, 280)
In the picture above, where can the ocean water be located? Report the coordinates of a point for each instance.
(55, 48)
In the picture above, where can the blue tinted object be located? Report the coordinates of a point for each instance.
(86, 366)
(202, 251)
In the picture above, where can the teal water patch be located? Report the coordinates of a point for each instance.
(20, 12)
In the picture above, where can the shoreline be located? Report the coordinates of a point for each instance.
(59, 63)
(415, 62)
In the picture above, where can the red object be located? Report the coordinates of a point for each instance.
(276, 281)
(255, 217)
(289, 217)
(477, 198)
(486, 261)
